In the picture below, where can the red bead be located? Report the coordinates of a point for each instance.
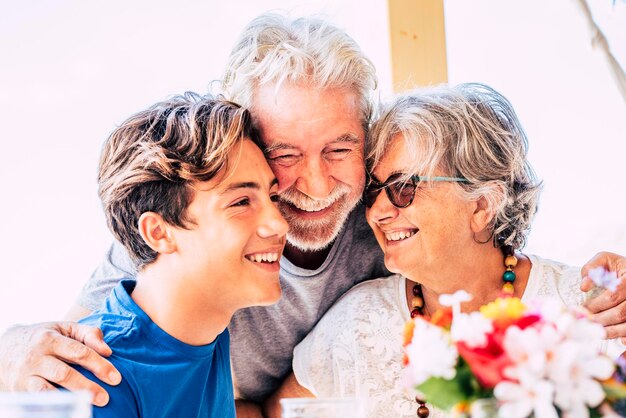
(415, 312)
(417, 290)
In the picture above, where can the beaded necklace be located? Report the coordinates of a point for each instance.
(418, 305)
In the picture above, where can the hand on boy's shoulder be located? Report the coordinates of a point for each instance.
(35, 357)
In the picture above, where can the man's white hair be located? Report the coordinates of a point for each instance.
(308, 50)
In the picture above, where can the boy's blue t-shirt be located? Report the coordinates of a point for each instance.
(161, 376)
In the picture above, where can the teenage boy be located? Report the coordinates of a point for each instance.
(190, 196)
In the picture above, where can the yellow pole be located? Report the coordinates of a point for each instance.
(418, 43)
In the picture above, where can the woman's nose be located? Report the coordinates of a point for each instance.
(382, 209)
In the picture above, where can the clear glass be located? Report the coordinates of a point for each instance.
(322, 408)
(596, 291)
(59, 404)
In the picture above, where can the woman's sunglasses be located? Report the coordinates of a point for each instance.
(400, 192)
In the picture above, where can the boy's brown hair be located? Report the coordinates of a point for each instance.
(149, 162)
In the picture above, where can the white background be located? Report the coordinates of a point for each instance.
(70, 71)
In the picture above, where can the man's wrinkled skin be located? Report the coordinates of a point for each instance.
(50, 345)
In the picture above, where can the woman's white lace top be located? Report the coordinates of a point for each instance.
(356, 348)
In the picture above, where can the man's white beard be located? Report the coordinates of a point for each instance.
(315, 235)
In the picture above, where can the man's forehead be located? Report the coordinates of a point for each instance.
(282, 144)
(302, 102)
(300, 115)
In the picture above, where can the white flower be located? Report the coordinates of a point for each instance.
(519, 400)
(575, 368)
(472, 329)
(562, 352)
(579, 328)
(604, 279)
(571, 322)
(430, 354)
(547, 308)
(456, 298)
(530, 350)
(461, 328)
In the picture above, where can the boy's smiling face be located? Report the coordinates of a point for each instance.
(233, 245)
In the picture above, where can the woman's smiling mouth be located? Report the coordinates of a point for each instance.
(400, 235)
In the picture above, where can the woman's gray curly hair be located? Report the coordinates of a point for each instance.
(468, 131)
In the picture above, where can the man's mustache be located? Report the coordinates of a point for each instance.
(301, 201)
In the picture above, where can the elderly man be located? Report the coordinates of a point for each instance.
(309, 88)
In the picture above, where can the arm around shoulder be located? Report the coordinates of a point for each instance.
(76, 313)
(35, 357)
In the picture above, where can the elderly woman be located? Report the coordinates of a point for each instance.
(451, 198)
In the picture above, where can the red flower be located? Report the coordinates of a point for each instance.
(488, 363)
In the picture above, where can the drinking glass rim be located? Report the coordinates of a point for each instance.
(318, 401)
(44, 398)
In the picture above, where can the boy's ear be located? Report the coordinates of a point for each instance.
(156, 233)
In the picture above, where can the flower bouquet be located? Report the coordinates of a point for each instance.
(540, 360)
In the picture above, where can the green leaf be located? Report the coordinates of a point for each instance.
(595, 413)
(445, 394)
(442, 393)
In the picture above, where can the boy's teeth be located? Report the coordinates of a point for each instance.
(266, 257)
(397, 236)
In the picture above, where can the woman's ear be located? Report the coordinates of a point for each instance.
(482, 216)
(486, 207)
(156, 233)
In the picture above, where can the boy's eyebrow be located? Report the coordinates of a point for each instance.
(247, 185)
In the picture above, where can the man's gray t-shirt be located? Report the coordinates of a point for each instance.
(263, 338)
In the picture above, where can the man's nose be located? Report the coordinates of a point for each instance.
(316, 180)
